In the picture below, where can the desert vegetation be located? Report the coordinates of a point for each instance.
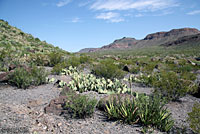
(172, 73)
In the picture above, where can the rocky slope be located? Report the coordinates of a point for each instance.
(16, 40)
(185, 39)
(159, 38)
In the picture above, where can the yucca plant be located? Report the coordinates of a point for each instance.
(152, 112)
(123, 110)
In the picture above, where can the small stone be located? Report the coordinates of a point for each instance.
(39, 124)
(45, 127)
(59, 124)
(106, 132)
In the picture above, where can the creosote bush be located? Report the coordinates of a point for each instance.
(172, 86)
(194, 118)
(39, 59)
(57, 69)
(55, 58)
(80, 106)
(73, 61)
(25, 77)
(108, 70)
(84, 59)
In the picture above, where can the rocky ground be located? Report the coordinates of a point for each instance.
(22, 112)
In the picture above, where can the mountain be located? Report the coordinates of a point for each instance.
(185, 39)
(85, 50)
(121, 43)
(154, 39)
(174, 33)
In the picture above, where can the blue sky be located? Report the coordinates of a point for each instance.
(76, 24)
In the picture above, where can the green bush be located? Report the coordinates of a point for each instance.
(55, 58)
(39, 59)
(152, 112)
(80, 106)
(73, 61)
(124, 110)
(39, 76)
(194, 118)
(171, 85)
(25, 77)
(84, 59)
(57, 69)
(108, 70)
(149, 67)
(135, 69)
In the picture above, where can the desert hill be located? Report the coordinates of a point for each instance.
(15, 39)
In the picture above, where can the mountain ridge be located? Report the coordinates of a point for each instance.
(158, 38)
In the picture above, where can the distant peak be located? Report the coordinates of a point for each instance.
(124, 39)
(186, 31)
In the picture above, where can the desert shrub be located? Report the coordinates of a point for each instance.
(84, 59)
(185, 68)
(148, 68)
(39, 59)
(124, 110)
(145, 79)
(73, 61)
(135, 69)
(21, 78)
(188, 76)
(108, 70)
(194, 118)
(152, 112)
(57, 69)
(25, 77)
(171, 85)
(80, 106)
(39, 76)
(55, 58)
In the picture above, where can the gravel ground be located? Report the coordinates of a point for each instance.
(22, 111)
(180, 109)
(12, 95)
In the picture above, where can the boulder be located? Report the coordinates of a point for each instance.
(12, 67)
(126, 68)
(4, 76)
(197, 59)
(56, 106)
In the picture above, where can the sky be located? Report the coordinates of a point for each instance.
(76, 24)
